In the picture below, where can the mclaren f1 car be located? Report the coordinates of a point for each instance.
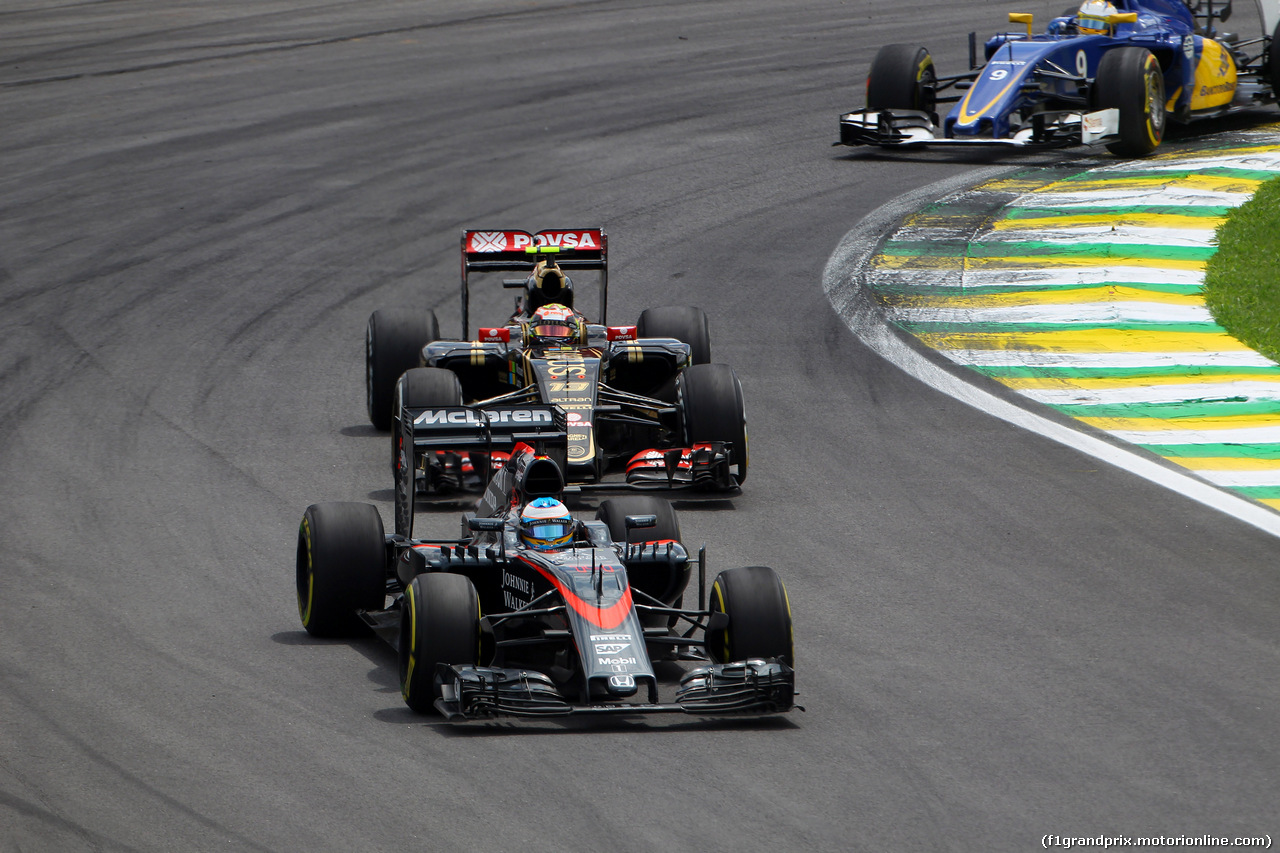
(642, 399)
(578, 621)
(1111, 73)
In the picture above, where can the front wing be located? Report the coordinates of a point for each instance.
(752, 687)
(893, 128)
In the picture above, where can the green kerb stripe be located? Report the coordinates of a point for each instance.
(1258, 493)
(904, 285)
(1210, 451)
(943, 328)
(1173, 412)
(1033, 212)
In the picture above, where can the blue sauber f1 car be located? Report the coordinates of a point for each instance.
(491, 624)
(1111, 73)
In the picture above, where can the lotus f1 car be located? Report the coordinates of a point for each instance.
(487, 626)
(637, 397)
(1114, 79)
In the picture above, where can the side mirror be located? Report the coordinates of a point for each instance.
(477, 524)
(1224, 12)
(1021, 18)
(632, 522)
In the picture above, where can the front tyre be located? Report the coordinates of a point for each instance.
(341, 567)
(393, 343)
(439, 623)
(758, 617)
(902, 78)
(614, 511)
(1130, 80)
(709, 397)
(1272, 65)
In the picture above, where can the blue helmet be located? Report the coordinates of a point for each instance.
(545, 524)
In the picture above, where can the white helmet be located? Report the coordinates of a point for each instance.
(1093, 17)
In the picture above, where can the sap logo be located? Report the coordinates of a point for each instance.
(568, 239)
(615, 661)
(611, 648)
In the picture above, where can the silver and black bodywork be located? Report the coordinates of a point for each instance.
(1157, 61)
(485, 626)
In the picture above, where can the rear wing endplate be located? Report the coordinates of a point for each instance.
(520, 251)
(466, 428)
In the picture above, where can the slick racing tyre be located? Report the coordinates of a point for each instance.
(709, 397)
(439, 623)
(759, 617)
(685, 324)
(420, 388)
(614, 511)
(341, 567)
(1130, 80)
(663, 580)
(1272, 65)
(902, 78)
(393, 343)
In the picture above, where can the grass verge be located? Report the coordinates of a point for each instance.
(1242, 279)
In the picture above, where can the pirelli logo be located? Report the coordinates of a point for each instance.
(477, 418)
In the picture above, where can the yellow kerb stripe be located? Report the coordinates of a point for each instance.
(1086, 295)
(1088, 340)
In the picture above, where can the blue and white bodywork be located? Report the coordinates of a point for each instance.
(1152, 61)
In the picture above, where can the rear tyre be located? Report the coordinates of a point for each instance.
(420, 387)
(759, 616)
(684, 323)
(1130, 80)
(341, 567)
(709, 397)
(393, 343)
(439, 623)
(902, 78)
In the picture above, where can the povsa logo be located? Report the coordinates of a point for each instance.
(568, 239)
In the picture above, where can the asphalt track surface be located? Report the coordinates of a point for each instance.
(999, 638)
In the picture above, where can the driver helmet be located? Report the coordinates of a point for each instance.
(547, 284)
(555, 326)
(545, 524)
(1092, 18)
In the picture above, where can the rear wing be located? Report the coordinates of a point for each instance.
(520, 251)
(480, 429)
